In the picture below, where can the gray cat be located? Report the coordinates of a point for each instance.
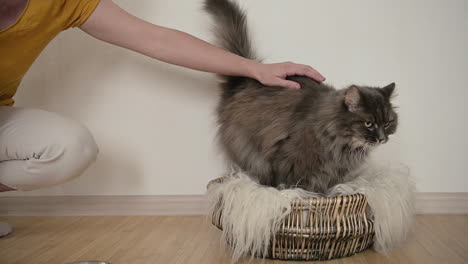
(309, 138)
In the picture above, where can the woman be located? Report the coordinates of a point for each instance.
(39, 148)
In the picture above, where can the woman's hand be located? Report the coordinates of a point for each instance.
(275, 74)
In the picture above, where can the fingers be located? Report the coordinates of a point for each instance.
(314, 74)
(276, 74)
(288, 84)
(304, 70)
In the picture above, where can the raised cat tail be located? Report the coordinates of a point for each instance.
(232, 35)
(230, 27)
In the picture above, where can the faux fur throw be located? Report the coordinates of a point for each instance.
(252, 214)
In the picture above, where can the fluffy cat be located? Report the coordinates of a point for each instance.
(309, 138)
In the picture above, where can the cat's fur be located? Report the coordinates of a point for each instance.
(310, 138)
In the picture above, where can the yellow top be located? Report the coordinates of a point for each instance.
(21, 43)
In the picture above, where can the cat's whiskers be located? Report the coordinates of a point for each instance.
(395, 139)
(297, 183)
(363, 151)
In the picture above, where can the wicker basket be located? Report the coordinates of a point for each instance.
(319, 228)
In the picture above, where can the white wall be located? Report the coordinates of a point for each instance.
(155, 123)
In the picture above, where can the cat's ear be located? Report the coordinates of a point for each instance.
(387, 91)
(353, 98)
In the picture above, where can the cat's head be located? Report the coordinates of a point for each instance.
(370, 114)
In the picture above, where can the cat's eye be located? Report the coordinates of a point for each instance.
(387, 124)
(368, 124)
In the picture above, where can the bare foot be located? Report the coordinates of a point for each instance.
(5, 229)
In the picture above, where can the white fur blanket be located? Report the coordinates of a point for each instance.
(252, 214)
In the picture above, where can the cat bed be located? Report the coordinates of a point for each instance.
(374, 207)
(317, 228)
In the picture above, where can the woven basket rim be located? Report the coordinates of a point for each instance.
(308, 200)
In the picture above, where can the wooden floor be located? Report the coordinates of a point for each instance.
(163, 239)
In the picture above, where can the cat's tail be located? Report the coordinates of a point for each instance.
(230, 27)
(232, 35)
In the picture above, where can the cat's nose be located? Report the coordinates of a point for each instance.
(381, 138)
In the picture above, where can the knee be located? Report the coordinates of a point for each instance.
(54, 150)
(78, 151)
(71, 153)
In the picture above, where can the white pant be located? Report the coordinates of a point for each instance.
(40, 148)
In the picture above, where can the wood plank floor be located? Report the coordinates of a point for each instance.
(191, 239)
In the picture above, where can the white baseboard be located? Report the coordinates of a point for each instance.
(103, 205)
(426, 203)
(442, 203)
